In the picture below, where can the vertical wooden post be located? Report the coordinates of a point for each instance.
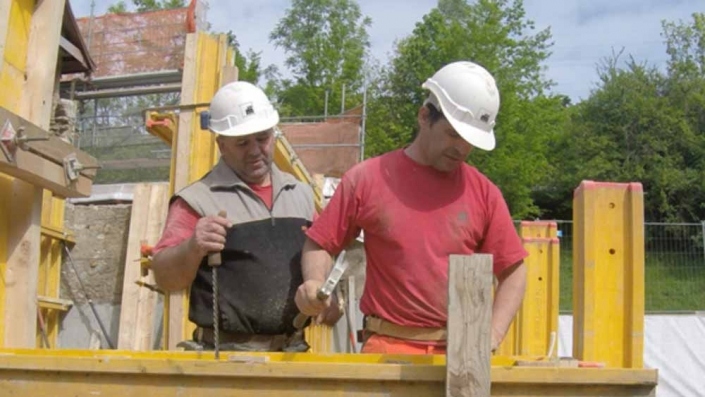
(149, 206)
(5, 6)
(469, 327)
(24, 238)
(22, 272)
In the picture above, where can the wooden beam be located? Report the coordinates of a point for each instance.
(185, 125)
(62, 373)
(74, 51)
(45, 174)
(44, 39)
(46, 144)
(22, 272)
(469, 328)
(5, 6)
(149, 208)
(62, 305)
(175, 302)
(42, 162)
(25, 199)
(229, 75)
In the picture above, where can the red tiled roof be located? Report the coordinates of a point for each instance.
(131, 43)
(309, 140)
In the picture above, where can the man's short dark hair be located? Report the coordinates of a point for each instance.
(434, 114)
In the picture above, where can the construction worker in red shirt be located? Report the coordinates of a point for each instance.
(416, 206)
(259, 238)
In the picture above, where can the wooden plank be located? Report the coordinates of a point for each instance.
(24, 238)
(5, 6)
(22, 271)
(175, 302)
(149, 207)
(185, 127)
(44, 38)
(70, 373)
(74, 51)
(59, 304)
(46, 174)
(469, 317)
(230, 74)
(48, 145)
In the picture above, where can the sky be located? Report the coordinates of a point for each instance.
(584, 32)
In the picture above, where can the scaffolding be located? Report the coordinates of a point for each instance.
(139, 60)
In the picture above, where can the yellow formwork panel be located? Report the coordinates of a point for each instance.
(51, 252)
(84, 373)
(18, 33)
(538, 229)
(608, 273)
(204, 151)
(15, 54)
(535, 327)
(537, 319)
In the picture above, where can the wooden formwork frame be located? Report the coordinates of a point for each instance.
(34, 177)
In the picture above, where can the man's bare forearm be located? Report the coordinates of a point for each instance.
(508, 298)
(315, 262)
(175, 267)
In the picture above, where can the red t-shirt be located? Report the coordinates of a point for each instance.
(181, 219)
(413, 218)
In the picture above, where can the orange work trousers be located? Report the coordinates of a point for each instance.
(383, 344)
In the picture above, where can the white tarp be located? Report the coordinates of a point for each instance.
(674, 344)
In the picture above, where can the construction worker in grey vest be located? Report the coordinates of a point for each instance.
(253, 215)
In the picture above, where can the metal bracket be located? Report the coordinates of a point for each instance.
(7, 141)
(10, 140)
(73, 167)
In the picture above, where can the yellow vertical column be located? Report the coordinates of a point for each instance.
(54, 236)
(194, 151)
(537, 319)
(608, 273)
(535, 326)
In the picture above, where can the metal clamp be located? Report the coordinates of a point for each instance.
(11, 139)
(73, 167)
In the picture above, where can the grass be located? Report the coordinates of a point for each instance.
(673, 282)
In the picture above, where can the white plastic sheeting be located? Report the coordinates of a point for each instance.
(674, 344)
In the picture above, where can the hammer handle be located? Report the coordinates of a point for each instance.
(214, 258)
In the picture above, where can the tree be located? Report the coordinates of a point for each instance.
(495, 34)
(629, 130)
(249, 64)
(146, 5)
(326, 43)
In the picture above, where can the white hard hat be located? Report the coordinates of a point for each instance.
(468, 97)
(240, 108)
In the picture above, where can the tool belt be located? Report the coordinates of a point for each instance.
(383, 327)
(250, 342)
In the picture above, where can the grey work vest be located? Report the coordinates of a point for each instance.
(261, 262)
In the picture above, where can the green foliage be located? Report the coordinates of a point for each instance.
(326, 43)
(495, 34)
(642, 125)
(146, 5)
(249, 65)
(118, 8)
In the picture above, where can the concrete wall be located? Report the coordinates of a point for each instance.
(97, 273)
